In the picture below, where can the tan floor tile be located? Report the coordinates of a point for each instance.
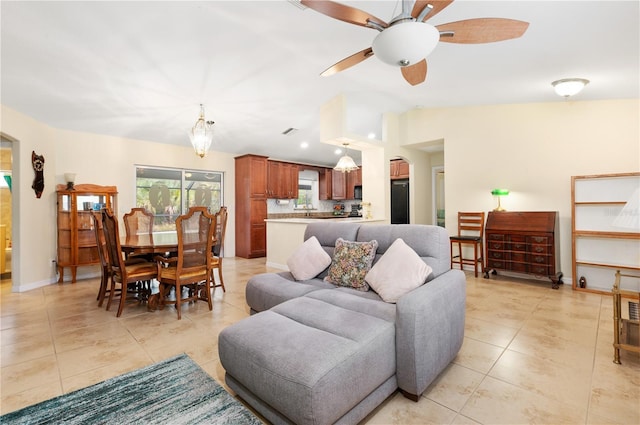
(27, 349)
(42, 392)
(28, 375)
(543, 377)
(402, 411)
(478, 356)
(88, 336)
(497, 402)
(453, 387)
(101, 354)
(488, 332)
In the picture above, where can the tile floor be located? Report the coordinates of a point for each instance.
(530, 355)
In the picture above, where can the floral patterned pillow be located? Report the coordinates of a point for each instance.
(351, 262)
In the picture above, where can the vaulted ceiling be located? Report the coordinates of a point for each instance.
(140, 69)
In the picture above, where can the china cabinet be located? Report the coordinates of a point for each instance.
(76, 237)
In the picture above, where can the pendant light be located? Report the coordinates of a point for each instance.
(346, 163)
(201, 135)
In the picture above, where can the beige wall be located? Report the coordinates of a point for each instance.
(530, 149)
(97, 159)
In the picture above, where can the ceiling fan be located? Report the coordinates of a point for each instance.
(407, 39)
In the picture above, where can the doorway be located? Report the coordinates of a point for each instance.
(437, 191)
(6, 183)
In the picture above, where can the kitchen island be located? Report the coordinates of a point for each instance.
(284, 235)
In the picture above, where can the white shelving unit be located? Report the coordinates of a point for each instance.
(605, 229)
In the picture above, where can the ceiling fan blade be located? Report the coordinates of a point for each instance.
(343, 13)
(419, 6)
(416, 73)
(481, 30)
(348, 62)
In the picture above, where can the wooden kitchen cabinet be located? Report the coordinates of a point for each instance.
(523, 242)
(338, 185)
(325, 183)
(354, 178)
(251, 206)
(399, 169)
(76, 236)
(282, 180)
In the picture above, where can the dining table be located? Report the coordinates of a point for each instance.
(157, 242)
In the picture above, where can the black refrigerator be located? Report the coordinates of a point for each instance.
(400, 201)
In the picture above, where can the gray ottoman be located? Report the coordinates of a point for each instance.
(350, 370)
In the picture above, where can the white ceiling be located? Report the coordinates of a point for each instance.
(140, 69)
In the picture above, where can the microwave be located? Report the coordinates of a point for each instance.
(357, 192)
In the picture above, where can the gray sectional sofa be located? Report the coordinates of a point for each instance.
(315, 353)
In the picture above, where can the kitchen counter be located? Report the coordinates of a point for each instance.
(284, 235)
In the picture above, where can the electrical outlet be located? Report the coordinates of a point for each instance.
(54, 263)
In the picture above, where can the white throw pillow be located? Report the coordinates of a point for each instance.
(308, 260)
(399, 271)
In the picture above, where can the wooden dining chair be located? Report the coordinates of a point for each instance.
(138, 221)
(105, 269)
(218, 248)
(191, 268)
(470, 232)
(133, 277)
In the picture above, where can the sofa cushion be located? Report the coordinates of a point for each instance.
(431, 243)
(310, 360)
(308, 260)
(265, 290)
(399, 271)
(351, 262)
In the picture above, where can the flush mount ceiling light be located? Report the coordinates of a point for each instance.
(569, 86)
(346, 163)
(201, 135)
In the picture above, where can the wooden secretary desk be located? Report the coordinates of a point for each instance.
(76, 236)
(523, 242)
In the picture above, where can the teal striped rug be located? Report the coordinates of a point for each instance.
(174, 391)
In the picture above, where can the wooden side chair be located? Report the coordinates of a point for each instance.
(138, 221)
(192, 265)
(470, 232)
(218, 248)
(105, 268)
(127, 274)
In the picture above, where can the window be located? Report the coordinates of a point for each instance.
(168, 193)
(305, 194)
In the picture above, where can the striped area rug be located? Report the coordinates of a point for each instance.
(174, 391)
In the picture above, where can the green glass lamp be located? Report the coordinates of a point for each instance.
(499, 193)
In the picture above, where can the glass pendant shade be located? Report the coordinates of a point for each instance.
(405, 43)
(346, 163)
(201, 135)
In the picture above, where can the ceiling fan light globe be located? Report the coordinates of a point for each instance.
(405, 43)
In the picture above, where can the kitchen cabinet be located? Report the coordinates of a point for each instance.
(325, 184)
(282, 180)
(523, 242)
(76, 236)
(399, 169)
(354, 178)
(251, 206)
(338, 185)
(605, 230)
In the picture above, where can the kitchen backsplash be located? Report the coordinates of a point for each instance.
(323, 206)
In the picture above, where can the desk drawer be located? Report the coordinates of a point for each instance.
(539, 270)
(495, 264)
